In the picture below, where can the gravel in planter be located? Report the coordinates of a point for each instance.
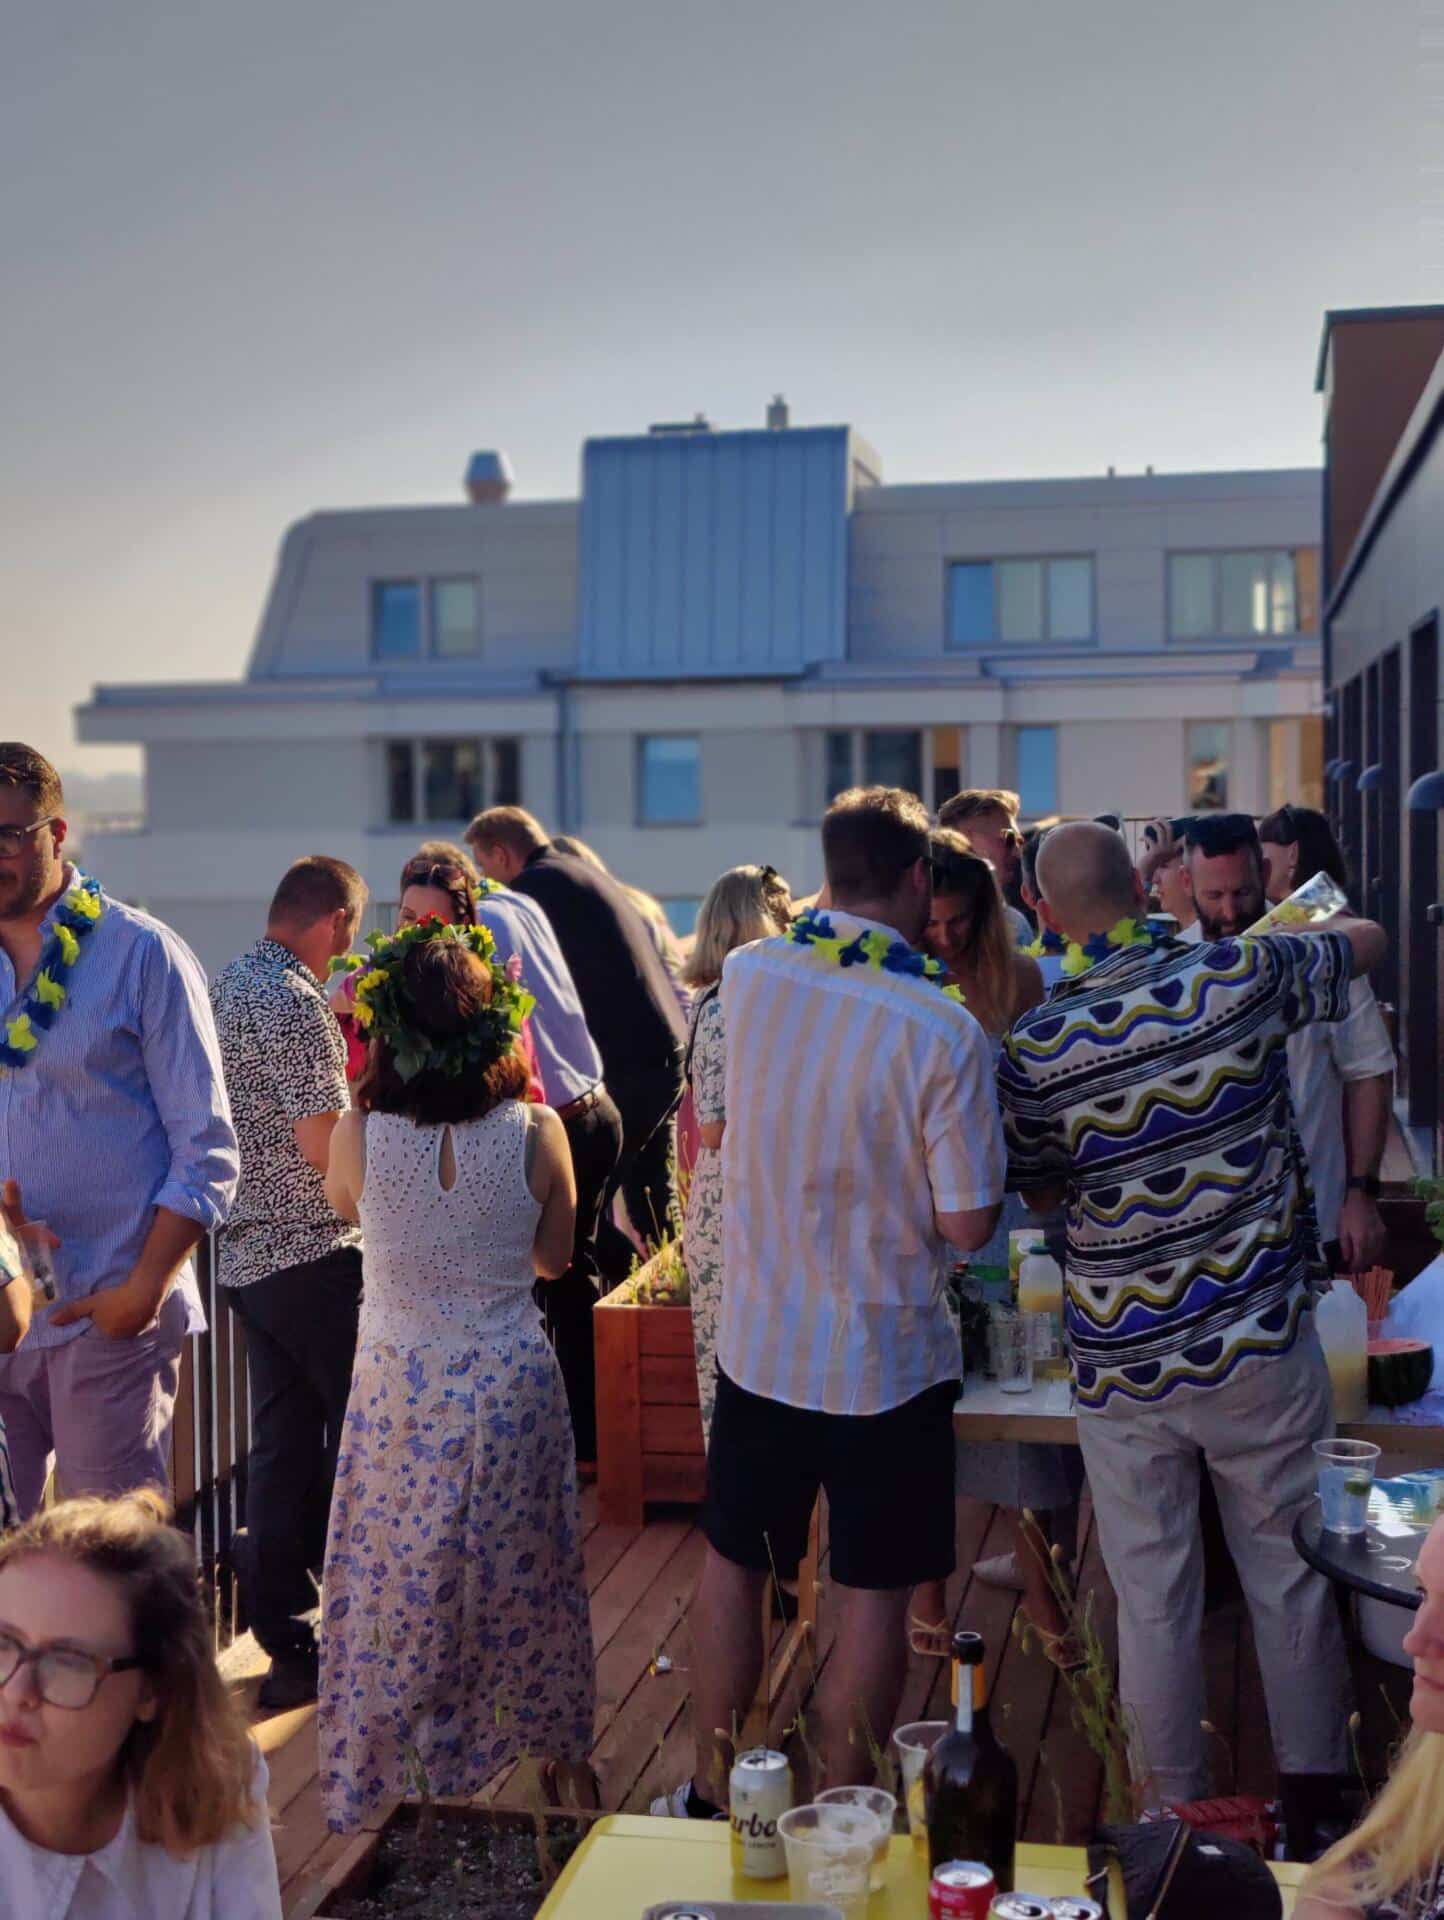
(468, 1869)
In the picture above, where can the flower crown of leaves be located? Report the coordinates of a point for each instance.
(384, 1010)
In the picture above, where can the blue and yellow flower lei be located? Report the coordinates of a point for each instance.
(1128, 932)
(874, 948)
(1047, 946)
(78, 913)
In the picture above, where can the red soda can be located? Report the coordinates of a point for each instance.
(961, 1890)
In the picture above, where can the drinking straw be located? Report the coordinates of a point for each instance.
(1376, 1289)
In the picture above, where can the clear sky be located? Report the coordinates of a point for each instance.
(260, 258)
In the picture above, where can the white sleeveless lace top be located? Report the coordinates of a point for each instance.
(447, 1268)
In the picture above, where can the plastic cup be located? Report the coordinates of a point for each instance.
(1346, 1479)
(883, 1808)
(1011, 1337)
(914, 1743)
(829, 1855)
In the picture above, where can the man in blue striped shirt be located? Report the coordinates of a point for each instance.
(114, 1123)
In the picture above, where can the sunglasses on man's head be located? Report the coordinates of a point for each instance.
(1216, 833)
(1288, 826)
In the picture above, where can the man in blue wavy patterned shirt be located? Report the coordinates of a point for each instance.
(114, 1123)
(1152, 1093)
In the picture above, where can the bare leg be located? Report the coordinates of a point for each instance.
(863, 1683)
(726, 1620)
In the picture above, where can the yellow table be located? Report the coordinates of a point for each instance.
(628, 1863)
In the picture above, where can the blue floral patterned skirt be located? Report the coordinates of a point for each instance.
(457, 1635)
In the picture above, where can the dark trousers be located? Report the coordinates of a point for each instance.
(300, 1344)
(644, 1175)
(595, 1137)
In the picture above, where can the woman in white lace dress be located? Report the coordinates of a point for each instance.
(747, 903)
(457, 1635)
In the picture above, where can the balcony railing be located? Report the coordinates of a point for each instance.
(211, 1443)
(96, 825)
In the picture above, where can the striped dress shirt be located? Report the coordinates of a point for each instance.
(860, 1105)
(121, 1109)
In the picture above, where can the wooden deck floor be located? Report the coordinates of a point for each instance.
(640, 1582)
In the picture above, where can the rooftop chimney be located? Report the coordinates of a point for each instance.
(488, 478)
(779, 415)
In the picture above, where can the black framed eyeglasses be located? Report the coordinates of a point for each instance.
(65, 1677)
(12, 839)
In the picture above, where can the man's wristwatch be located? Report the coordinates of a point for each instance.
(1366, 1183)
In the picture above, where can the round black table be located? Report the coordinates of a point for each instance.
(1380, 1565)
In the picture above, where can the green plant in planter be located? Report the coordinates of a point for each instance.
(1432, 1193)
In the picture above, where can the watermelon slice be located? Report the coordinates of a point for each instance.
(1399, 1371)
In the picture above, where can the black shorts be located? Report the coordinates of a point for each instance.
(888, 1478)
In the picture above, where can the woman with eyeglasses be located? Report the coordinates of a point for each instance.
(970, 935)
(745, 904)
(129, 1786)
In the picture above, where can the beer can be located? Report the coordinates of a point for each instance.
(1074, 1907)
(758, 1794)
(1021, 1906)
(961, 1890)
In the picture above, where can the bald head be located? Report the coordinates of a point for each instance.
(1086, 880)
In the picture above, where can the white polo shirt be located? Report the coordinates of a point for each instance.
(860, 1105)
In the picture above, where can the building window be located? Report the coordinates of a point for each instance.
(1019, 601)
(400, 782)
(947, 757)
(669, 780)
(505, 774)
(892, 757)
(837, 771)
(441, 782)
(682, 914)
(451, 779)
(395, 619)
(1037, 755)
(1207, 749)
(455, 618)
(846, 757)
(1242, 596)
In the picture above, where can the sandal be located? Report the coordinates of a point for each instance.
(929, 1640)
(1062, 1649)
(572, 1785)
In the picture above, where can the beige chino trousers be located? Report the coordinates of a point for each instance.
(1256, 1432)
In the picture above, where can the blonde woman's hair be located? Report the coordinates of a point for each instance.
(1396, 1849)
(746, 903)
(190, 1770)
(989, 966)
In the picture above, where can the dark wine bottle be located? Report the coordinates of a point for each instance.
(971, 1782)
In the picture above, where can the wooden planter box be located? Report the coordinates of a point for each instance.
(649, 1428)
(351, 1874)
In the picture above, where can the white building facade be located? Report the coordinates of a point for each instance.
(684, 665)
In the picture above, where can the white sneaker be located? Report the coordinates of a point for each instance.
(1001, 1571)
(673, 1806)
